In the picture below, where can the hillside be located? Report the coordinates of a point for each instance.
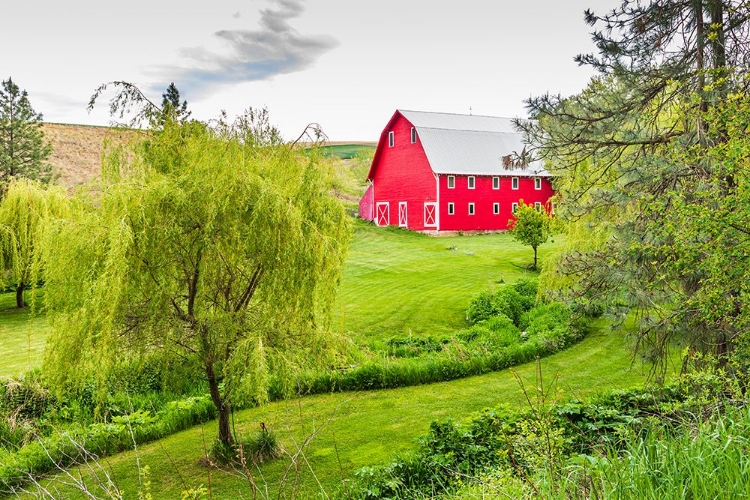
(77, 150)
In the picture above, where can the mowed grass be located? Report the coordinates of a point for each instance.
(347, 431)
(21, 338)
(401, 283)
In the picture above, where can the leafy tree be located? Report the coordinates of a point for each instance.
(204, 246)
(638, 154)
(25, 206)
(23, 150)
(530, 227)
(171, 105)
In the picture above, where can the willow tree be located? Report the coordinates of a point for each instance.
(205, 245)
(25, 206)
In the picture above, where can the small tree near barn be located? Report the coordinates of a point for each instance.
(530, 227)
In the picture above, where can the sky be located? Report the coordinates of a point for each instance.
(346, 65)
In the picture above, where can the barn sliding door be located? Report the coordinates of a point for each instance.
(383, 216)
(430, 214)
(402, 222)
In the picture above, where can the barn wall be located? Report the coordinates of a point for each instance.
(483, 197)
(403, 174)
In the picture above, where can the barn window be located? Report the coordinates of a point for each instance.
(471, 182)
(413, 135)
(496, 183)
(451, 181)
(538, 206)
(391, 139)
(515, 208)
(496, 208)
(471, 209)
(537, 183)
(514, 183)
(451, 209)
(553, 207)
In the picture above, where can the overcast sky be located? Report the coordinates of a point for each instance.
(345, 64)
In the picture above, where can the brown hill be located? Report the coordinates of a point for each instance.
(77, 150)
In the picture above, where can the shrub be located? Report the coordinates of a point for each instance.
(262, 445)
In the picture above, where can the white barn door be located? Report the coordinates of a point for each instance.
(430, 214)
(402, 222)
(383, 216)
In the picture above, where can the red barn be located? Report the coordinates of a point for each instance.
(448, 172)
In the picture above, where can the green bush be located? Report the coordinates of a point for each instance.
(548, 442)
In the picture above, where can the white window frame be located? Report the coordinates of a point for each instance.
(538, 206)
(451, 182)
(514, 183)
(553, 207)
(496, 208)
(413, 135)
(472, 208)
(538, 183)
(471, 182)
(451, 208)
(391, 139)
(514, 208)
(496, 182)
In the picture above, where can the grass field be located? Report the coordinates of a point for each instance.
(400, 283)
(347, 151)
(353, 430)
(21, 340)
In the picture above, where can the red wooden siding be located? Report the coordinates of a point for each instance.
(402, 174)
(483, 197)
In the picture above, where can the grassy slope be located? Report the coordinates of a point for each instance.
(398, 282)
(21, 342)
(360, 429)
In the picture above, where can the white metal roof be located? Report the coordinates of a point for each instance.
(469, 144)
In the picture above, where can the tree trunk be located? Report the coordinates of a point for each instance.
(19, 295)
(223, 407)
(534, 257)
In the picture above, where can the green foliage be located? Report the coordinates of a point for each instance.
(542, 447)
(65, 448)
(649, 164)
(530, 227)
(24, 208)
(171, 107)
(510, 300)
(262, 445)
(23, 150)
(218, 244)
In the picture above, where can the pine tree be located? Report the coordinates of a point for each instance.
(23, 150)
(639, 154)
(171, 105)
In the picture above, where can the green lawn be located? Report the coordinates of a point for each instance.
(346, 151)
(21, 340)
(398, 282)
(353, 430)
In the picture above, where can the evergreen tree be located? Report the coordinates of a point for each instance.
(23, 150)
(171, 105)
(636, 152)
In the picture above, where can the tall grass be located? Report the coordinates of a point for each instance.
(710, 459)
